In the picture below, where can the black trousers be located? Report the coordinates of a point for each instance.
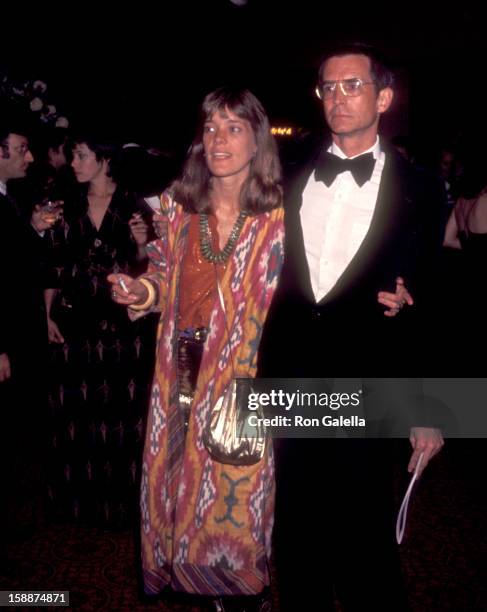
(23, 446)
(334, 530)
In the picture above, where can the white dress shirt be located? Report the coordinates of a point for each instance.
(335, 220)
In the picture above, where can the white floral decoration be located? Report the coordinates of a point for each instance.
(39, 85)
(33, 96)
(36, 104)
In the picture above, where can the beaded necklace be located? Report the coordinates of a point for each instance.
(206, 246)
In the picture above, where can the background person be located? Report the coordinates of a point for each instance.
(23, 344)
(101, 364)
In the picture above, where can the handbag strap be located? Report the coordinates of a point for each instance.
(222, 304)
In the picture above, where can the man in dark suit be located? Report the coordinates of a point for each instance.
(357, 217)
(23, 336)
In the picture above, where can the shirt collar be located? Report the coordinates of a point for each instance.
(3, 188)
(374, 149)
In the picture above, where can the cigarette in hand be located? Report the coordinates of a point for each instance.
(123, 284)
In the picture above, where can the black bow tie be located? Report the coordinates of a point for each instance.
(330, 165)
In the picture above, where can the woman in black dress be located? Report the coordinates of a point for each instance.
(101, 363)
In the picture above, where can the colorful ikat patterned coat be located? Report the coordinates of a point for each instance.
(206, 527)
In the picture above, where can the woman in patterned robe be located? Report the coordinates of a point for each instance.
(206, 526)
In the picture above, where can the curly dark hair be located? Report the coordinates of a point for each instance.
(103, 148)
(262, 189)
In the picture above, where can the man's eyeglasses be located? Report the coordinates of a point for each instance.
(20, 149)
(349, 87)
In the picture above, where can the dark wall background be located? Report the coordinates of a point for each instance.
(142, 71)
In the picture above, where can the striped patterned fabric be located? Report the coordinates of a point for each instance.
(206, 527)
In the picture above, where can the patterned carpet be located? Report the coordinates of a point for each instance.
(444, 552)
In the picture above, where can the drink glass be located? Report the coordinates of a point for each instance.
(50, 211)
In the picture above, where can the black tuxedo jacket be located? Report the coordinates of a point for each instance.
(346, 334)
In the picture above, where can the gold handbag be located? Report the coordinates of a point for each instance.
(228, 437)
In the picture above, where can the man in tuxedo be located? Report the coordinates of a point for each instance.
(357, 217)
(23, 335)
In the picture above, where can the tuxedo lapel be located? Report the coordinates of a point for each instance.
(296, 270)
(10, 213)
(8, 204)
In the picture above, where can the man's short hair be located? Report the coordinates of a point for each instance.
(380, 69)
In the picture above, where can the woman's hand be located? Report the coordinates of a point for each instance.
(53, 332)
(395, 301)
(159, 221)
(139, 229)
(127, 290)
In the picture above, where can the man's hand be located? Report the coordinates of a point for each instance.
(5, 371)
(426, 440)
(43, 219)
(395, 301)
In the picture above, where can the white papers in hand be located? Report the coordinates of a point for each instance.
(403, 510)
(155, 203)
